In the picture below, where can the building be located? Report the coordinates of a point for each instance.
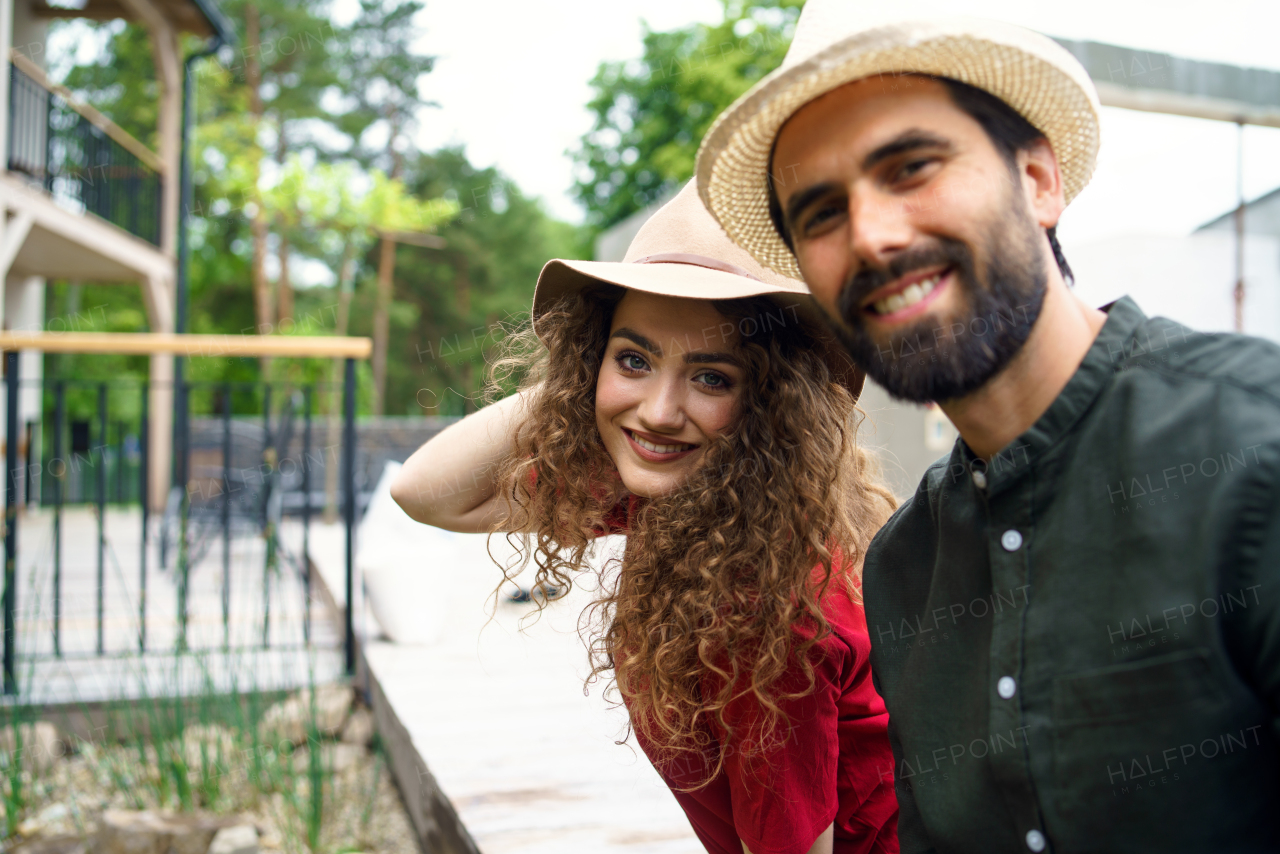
(1192, 278)
(81, 199)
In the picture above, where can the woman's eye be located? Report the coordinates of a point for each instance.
(712, 380)
(631, 362)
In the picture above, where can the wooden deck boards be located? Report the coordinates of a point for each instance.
(498, 717)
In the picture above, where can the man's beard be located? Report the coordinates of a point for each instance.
(938, 360)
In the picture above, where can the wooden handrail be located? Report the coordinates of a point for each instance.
(157, 343)
(95, 118)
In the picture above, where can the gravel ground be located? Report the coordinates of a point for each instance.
(362, 810)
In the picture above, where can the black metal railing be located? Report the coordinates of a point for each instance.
(75, 160)
(247, 458)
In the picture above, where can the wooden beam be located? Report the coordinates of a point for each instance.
(158, 296)
(87, 230)
(151, 343)
(165, 53)
(14, 233)
(186, 16)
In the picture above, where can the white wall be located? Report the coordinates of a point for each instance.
(1188, 279)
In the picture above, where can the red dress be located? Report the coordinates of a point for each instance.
(834, 766)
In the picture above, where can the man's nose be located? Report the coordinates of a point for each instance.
(879, 226)
(663, 408)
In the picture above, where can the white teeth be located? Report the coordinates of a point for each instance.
(659, 449)
(911, 295)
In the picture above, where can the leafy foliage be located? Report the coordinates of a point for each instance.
(451, 302)
(651, 114)
(329, 162)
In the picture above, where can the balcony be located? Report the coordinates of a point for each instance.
(81, 159)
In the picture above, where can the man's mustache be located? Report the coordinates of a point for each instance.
(947, 253)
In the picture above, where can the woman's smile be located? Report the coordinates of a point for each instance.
(655, 449)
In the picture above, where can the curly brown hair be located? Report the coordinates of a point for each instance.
(718, 575)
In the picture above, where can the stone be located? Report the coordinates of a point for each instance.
(240, 839)
(289, 719)
(147, 832)
(359, 728)
(41, 745)
(53, 812)
(130, 832)
(62, 844)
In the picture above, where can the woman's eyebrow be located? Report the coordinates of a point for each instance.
(637, 338)
(707, 358)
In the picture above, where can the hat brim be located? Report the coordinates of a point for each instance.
(560, 278)
(1034, 75)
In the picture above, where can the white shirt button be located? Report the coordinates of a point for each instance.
(979, 480)
(1011, 540)
(1035, 840)
(1006, 687)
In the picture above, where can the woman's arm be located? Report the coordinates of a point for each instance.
(448, 482)
(822, 845)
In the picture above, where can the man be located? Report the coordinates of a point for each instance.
(1075, 621)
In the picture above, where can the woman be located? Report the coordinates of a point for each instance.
(692, 400)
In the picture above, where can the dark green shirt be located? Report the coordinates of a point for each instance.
(1079, 641)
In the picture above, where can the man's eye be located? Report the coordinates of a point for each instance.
(912, 168)
(822, 215)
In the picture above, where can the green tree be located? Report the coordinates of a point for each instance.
(379, 74)
(451, 303)
(651, 114)
(99, 83)
(338, 133)
(284, 63)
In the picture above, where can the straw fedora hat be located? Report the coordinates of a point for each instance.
(840, 41)
(681, 252)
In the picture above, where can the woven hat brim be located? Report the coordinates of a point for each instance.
(560, 278)
(1047, 86)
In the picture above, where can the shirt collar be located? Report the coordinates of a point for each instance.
(1096, 369)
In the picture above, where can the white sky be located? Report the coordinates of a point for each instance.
(512, 84)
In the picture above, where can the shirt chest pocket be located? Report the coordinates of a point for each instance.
(1173, 684)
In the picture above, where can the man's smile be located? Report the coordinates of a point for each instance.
(908, 296)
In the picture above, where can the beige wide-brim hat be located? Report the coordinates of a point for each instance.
(840, 41)
(681, 252)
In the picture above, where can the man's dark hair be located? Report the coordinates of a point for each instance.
(1009, 133)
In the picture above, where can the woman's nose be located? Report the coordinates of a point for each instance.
(663, 407)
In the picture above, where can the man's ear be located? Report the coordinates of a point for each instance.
(1041, 182)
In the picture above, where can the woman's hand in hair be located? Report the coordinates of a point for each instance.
(448, 482)
(822, 845)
